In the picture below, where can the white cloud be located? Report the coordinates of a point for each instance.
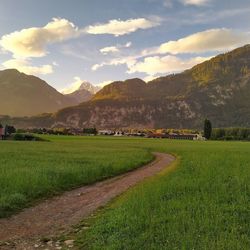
(128, 44)
(162, 59)
(25, 67)
(195, 2)
(114, 62)
(32, 42)
(169, 3)
(120, 27)
(205, 41)
(130, 60)
(55, 64)
(98, 66)
(110, 49)
(166, 64)
(153, 65)
(75, 85)
(115, 49)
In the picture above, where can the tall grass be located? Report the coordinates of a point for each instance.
(202, 204)
(33, 170)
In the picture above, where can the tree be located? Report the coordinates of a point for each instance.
(92, 131)
(207, 129)
(10, 129)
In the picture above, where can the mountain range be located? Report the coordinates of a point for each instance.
(27, 95)
(218, 89)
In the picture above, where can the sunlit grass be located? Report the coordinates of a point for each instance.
(202, 204)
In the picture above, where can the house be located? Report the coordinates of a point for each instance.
(156, 135)
(182, 136)
(172, 136)
(105, 132)
(118, 133)
(199, 138)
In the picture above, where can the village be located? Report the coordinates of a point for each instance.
(156, 133)
(7, 132)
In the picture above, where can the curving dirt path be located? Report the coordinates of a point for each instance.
(55, 215)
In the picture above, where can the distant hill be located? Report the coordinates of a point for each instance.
(26, 95)
(218, 89)
(123, 90)
(84, 93)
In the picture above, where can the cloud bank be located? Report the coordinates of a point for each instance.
(163, 59)
(32, 42)
(24, 66)
(166, 64)
(205, 41)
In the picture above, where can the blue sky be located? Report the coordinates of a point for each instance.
(65, 42)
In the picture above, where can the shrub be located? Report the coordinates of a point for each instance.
(26, 137)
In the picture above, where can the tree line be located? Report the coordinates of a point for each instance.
(226, 134)
(230, 134)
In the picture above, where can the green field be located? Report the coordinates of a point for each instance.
(202, 203)
(33, 170)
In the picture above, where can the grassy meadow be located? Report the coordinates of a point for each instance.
(200, 202)
(32, 170)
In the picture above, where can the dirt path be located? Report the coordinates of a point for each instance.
(55, 215)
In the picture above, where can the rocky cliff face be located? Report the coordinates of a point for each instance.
(130, 114)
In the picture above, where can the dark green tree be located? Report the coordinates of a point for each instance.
(207, 129)
(10, 129)
(2, 135)
(92, 131)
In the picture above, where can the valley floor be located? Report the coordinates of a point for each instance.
(202, 204)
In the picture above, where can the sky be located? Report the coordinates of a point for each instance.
(66, 42)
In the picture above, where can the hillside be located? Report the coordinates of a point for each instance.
(128, 90)
(218, 89)
(26, 95)
(219, 76)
